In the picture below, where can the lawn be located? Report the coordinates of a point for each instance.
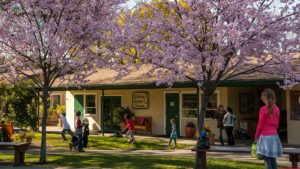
(125, 161)
(107, 143)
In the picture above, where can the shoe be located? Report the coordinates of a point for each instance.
(64, 140)
(130, 141)
(81, 150)
(70, 146)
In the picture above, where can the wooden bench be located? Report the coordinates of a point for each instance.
(143, 123)
(294, 153)
(19, 148)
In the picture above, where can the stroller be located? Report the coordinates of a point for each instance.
(242, 133)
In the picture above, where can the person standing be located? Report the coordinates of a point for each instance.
(173, 135)
(228, 122)
(78, 126)
(220, 116)
(266, 136)
(66, 126)
(86, 132)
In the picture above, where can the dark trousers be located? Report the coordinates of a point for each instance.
(270, 163)
(85, 140)
(230, 138)
(64, 131)
(78, 143)
(221, 135)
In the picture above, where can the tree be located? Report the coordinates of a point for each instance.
(211, 41)
(51, 41)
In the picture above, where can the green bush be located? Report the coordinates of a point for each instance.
(20, 103)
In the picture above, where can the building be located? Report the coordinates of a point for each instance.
(162, 103)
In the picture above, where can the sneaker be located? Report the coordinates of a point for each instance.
(129, 142)
(70, 146)
(81, 150)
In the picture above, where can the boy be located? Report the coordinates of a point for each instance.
(130, 126)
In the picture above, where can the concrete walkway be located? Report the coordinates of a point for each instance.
(172, 152)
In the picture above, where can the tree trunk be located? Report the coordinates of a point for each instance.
(44, 121)
(200, 119)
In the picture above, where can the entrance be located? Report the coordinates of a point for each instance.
(112, 105)
(172, 111)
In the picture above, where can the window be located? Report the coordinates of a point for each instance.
(55, 100)
(212, 106)
(189, 105)
(90, 104)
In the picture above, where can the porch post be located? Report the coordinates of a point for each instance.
(102, 112)
(198, 113)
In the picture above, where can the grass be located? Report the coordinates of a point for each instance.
(125, 161)
(107, 143)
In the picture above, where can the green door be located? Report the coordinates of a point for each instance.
(172, 111)
(79, 105)
(112, 105)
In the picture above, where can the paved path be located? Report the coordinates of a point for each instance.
(179, 153)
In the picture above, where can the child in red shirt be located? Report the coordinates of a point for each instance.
(130, 126)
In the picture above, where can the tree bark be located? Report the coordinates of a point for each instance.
(200, 119)
(45, 97)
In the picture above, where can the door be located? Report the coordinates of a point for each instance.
(79, 105)
(112, 105)
(172, 111)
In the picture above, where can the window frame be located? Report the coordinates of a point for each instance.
(51, 100)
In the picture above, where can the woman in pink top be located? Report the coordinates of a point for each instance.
(268, 142)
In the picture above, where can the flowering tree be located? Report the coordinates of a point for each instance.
(210, 41)
(54, 40)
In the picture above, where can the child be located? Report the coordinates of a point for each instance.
(78, 144)
(86, 132)
(173, 133)
(66, 126)
(268, 142)
(130, 126)
(204, 143)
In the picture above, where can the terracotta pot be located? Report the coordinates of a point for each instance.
(212, 140)
(190, 132)
(8, 129)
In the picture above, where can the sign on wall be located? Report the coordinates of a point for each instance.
(140, 100)
(295, 105)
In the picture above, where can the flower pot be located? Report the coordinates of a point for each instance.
(7, 129)
(190, 132)
(212, 140)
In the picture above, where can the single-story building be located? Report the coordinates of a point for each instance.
(161, 103)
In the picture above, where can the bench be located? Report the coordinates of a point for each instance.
(143, 123)
(19, 148)
(294, 153)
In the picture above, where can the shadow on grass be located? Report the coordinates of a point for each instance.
(126, 161)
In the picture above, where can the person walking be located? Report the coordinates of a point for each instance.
(66, 127)
(78, 125)
(228, 122)
(266, 136)
(173, 135)
(220, 116)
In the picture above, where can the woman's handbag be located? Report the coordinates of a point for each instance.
(253, 152)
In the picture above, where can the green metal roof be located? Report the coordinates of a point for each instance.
(229, 83)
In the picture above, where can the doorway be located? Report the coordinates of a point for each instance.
(112, 105)
(172, 111)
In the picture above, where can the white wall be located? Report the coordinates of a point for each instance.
(70, 109)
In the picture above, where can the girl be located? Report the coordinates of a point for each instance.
(173, 133)
(268, 142)
(78, 125)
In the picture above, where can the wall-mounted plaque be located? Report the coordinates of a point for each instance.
(140, 100)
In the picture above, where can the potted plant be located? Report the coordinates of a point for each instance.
(190, 130)
(23, 137)
(120, 116)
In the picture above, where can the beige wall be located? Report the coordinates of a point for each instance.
(293, 125)
(156, 108)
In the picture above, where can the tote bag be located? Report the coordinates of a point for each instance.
(253, 152)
